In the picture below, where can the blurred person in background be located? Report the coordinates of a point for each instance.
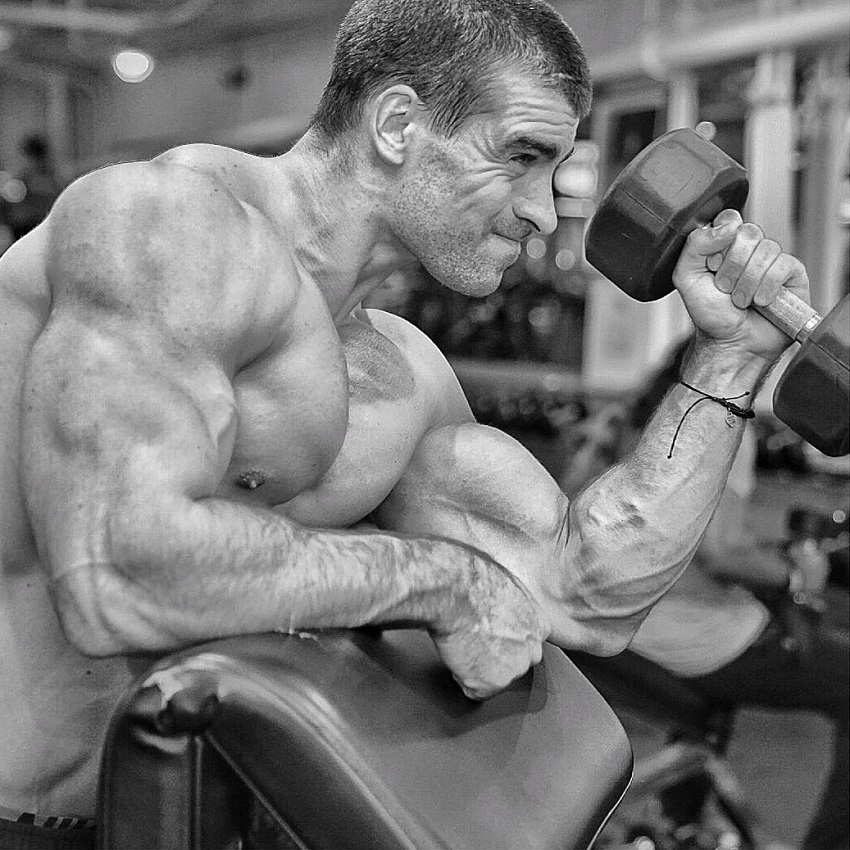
(201, 410)
(713, 630)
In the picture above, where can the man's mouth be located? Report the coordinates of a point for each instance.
(515, 235)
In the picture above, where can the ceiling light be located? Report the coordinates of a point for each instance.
(132, 66)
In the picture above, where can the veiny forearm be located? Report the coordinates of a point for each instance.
(217, 568)
(597, 564)
(635, 528)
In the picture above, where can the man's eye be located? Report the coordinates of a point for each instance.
(523, 158)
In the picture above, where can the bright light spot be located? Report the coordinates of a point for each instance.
(541, 319)
(839, 516)
(13, 191)
(132, 66)
(536, 248)
(576, 180)
(565, 259)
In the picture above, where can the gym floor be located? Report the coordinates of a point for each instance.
(780, 758)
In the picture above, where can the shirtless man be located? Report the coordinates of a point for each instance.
(197, 411)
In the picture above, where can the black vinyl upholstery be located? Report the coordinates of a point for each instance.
(357, 740)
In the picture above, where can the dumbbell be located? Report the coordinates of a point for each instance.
(680, 182)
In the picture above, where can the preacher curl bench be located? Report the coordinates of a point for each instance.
(356, 739)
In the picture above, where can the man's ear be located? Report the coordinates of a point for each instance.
(395, 113)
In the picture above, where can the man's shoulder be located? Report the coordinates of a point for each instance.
(225, 167)
(180, 204)
(177, 177)
(168, 236)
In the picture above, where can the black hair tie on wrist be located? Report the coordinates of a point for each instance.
(728, 403)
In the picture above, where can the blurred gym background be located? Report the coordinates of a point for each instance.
(551, 354)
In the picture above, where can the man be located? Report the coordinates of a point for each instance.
(203, 412)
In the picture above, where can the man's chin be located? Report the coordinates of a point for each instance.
(479, 288)
(477, 283)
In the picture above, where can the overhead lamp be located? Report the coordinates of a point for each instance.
(132, 66)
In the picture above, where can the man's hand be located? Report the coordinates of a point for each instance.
(729, 265)
(497, 639)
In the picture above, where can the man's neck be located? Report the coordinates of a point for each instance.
(333, 217)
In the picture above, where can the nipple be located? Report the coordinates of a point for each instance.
(251, 480)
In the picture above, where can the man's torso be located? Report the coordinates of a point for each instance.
(326, 423)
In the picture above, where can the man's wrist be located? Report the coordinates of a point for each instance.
(450, 570)
(723, 369)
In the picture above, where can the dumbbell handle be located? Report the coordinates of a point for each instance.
(791, 315)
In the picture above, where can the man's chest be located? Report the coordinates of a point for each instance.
(326, 431)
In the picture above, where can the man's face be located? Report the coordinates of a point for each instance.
(466, 203)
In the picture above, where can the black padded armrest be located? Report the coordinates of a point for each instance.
(356, 739)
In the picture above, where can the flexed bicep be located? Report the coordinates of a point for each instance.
(479, 486)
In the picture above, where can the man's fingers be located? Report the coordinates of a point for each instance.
(472, 693)
(741, 248)
(714, 261)
(537, 654)
(754, 269)
(716, 237)
(730, 218)
(786, 271)
(755, 274)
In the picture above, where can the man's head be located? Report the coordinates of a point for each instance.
(463, 110)
(448, 52)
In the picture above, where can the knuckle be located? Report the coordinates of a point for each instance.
(789, 266)
(749, 230)
(474, 692)
(796, 266)
(765, 295)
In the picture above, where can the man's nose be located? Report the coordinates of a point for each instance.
(538, 208)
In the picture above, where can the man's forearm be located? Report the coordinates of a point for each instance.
(636, 527)
(596, 564)
(220, 569)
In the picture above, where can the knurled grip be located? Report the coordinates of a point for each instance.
(791, 315)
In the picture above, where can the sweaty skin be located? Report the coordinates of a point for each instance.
(197, 411)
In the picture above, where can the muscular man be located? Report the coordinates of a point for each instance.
(197, 411)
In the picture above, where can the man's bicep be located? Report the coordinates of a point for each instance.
(116, 426)
(478, 485)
